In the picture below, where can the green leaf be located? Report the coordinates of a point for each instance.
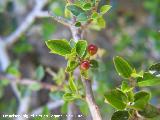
(87, 6)
(35, 86)
(101, 22)
(73, 55)
(150, 111)
(75, 10)
(72, 85)
(105, 9)
(130, 96)
(93, 63)
(148, 80)
(67, 13)
(77, 24)
(81, 47)
(61, 47)
(120, 115)
(136, 75)
(117, 99)
(155, 69)
(72, 43)
(125, 87)
(141, 99)
(13, 69)
(71, 66)
(94, 15)
(122, 67)
(82, 17)
(69, 97)
(40, 73)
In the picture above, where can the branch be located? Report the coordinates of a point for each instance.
(77, 35)
(91, 100)
(60, 19)
(16, 91)
(28, 82)
(24, 106)
(4, 58)
(27, 22)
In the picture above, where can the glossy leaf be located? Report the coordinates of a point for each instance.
(136, 75)
(120, 115)
(70, 96)
(117, 99)
(75, 10)
(72, 43)
(155, 69)
(94, 15)
(81, 47)
(125, 87)
(93, 63)
(67, 13)
(105, 9)
(141, 99)
(78, 24)
(122, 67)
(82, 17)
(148, 80)
(101, 22)
(60, 47)
(130, 96)
(71, 65)
(87, 6)
(72, 85)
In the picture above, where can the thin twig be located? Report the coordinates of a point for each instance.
(26, 23)
(29, 82)
(51, 72)
(60, 19)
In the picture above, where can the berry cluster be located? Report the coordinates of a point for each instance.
(92, 50)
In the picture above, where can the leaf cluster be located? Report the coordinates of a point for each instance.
(124, 99)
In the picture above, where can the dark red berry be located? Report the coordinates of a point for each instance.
(92, 49)
(85, 65)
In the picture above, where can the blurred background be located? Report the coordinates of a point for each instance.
(132, 31)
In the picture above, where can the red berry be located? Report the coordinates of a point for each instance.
(92, 49)
(85, 65)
